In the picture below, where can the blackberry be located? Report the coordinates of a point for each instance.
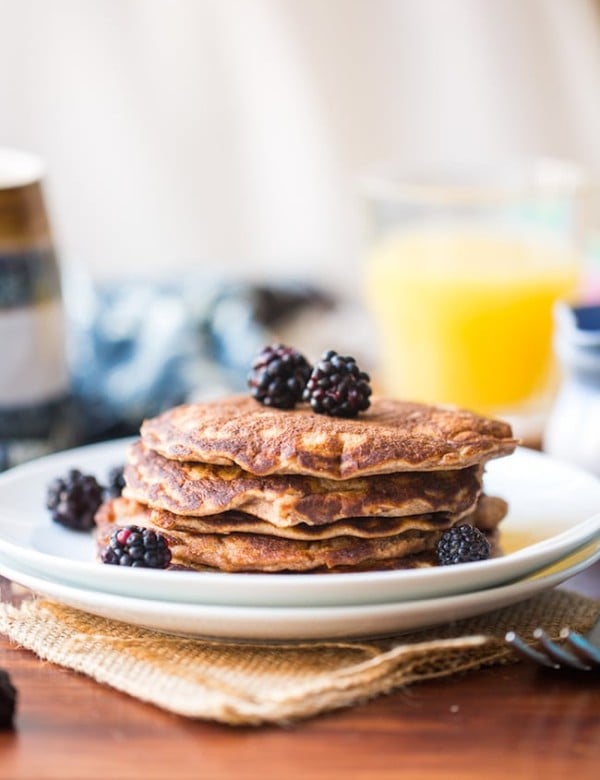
(278, 376)
(74, 499)
(116, 482)
(139, 547)
(8, 699)
(337, 387)
(462, 544)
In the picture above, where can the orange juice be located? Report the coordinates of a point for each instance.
(466, 317)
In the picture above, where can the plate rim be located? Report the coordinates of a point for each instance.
(475, 602)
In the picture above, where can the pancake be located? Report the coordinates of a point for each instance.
(390, 436)
(488, 513)
(485, 517)
(239, 522)
(255, 552)
(198, 489)
(265, 553)
(270, 552)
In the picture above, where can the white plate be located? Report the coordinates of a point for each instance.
(553, 510)
(286, 623)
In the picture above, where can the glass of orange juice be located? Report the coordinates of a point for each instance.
(461, 276)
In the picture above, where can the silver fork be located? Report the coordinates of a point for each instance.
(576, 651)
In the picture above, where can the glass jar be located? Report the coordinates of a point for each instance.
(573, 428)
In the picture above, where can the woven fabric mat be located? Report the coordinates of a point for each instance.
(253, 683)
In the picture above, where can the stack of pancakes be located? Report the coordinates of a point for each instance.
(236, 486)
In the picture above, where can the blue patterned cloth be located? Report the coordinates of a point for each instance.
(138, 348)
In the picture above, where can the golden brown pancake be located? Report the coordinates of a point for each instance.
(390, 436)
(486, 516)
(258, 552)
(239, 522)
(254, 552)
(230, 549)
(236, 486)
(198, 489)
(488, 513)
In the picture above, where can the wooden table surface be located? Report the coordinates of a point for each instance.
(506, 722)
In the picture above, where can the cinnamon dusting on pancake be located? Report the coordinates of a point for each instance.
(390, 436)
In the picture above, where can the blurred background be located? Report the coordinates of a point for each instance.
(229, 134)
(203, 161)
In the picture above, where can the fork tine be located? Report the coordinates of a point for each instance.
(527, 652)
(582, 648)
(557, 653)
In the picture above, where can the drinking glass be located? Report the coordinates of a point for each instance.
(463, 269)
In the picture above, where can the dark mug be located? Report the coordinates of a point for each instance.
(34, 380)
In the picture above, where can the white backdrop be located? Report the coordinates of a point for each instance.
(228, 134)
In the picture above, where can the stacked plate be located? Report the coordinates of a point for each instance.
(552, 532)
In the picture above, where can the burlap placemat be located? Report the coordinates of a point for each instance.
(251, 683)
